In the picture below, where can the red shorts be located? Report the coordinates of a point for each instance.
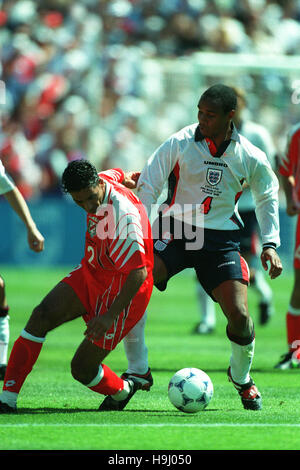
(297, 246)
(97, 299)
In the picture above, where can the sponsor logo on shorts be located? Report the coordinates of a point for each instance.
(225, 264)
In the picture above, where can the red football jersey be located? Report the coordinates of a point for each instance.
(118, 237)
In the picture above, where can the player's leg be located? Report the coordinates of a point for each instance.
(207, 312)
(168, 259)
(290, 359)
(260, 285)
(250, 248)
(137, 354)
(232, 297)
(87, 367)
(4, 329)
(100, 378)
(134, 342)
(59, 306)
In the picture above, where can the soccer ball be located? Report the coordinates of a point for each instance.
(190, 390)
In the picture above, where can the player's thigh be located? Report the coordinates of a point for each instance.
(86, 361)
(160, 272)
(59, 306)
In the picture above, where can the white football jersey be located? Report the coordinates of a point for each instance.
(212, 184)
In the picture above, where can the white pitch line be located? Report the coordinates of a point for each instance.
(191, 425)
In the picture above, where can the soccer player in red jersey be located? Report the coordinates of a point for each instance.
(110, 288)
(289, 170)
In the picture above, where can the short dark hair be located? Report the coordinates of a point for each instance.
(221, 95)
(79, 174)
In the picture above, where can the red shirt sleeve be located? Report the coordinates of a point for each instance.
(115, 175)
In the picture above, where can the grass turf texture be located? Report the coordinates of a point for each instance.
(57, 413)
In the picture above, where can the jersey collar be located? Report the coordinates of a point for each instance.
(234, 135)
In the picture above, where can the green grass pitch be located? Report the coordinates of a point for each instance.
(57, 413)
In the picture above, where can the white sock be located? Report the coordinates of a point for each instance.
(241, 361)
(207, 307)
(135, 348)
(4, 339)
(262, 287)
(122, 394)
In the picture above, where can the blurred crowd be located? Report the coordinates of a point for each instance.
(76, 86)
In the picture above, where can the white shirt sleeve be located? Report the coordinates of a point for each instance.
(6, 183)
(264, 186)
(156, 172)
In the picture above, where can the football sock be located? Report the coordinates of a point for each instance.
(207, 307)
(293, 328)
(107, 382)
(135, 348)
(23, 356)
(261, 286)
(4, 334)
(242, 353)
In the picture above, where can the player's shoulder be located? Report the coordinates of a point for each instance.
(123, 199)
(186, 133)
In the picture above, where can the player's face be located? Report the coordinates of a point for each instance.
(89, 199)
(213, 121)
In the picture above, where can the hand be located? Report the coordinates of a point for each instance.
(97, 327)
(35, 240)
(270, 255)
(131, 179)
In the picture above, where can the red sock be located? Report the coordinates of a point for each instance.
(109, 384)
(293, 331)
(21, 361)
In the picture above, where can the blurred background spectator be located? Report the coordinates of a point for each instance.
(84, 78)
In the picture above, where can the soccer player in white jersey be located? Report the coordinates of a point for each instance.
(289, 170)
(259, 136)
(206, 165)
(36, 243)
(110, 288)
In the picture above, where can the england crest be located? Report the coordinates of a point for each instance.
(213, 176)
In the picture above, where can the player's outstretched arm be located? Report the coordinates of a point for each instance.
(19, 205)
(269, 255)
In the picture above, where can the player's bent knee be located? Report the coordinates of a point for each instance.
(239, 317)
(80, 373)
(40, 321)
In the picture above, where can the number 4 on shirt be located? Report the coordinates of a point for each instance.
(206, 205)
